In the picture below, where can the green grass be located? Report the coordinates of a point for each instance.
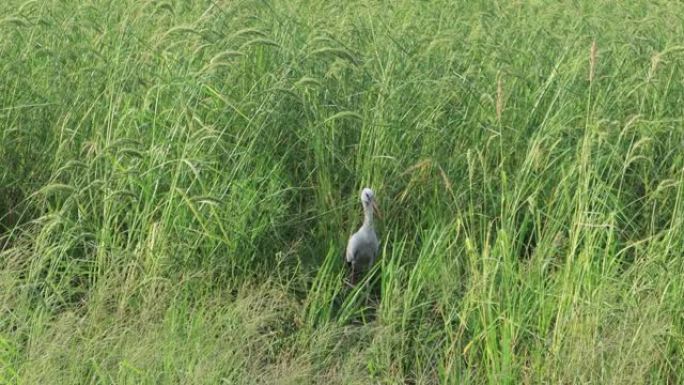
(178, 181)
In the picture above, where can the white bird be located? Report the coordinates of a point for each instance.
(363, 246)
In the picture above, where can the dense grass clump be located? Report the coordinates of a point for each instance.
(179, 179)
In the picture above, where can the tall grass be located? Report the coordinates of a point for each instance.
(179, 179)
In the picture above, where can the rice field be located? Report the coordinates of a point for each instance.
(178, 180)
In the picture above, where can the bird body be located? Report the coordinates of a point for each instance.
(363, 246)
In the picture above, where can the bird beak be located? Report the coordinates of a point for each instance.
(376, 210)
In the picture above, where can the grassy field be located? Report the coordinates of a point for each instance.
(178, 180)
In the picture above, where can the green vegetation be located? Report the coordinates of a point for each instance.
(178, 181)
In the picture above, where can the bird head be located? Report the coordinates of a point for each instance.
(368, 201)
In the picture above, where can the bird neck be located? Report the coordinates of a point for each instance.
(368, 216)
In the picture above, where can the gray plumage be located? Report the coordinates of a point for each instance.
(363, 246)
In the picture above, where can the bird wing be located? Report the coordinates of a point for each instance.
(351, 246)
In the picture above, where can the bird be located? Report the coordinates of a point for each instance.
(363, 246)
